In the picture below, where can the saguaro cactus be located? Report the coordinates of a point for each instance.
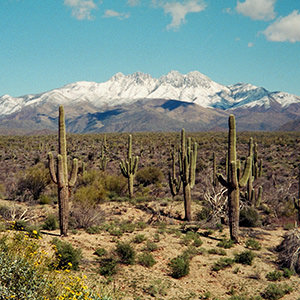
(103, 159)
(233, 182)
(174, 181)
(60, 176)
(187, 164)
(129, 167)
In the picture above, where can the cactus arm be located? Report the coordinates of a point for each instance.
(222, 180)
(51, 168)
(245, 177)
(123, 168)
(259, 196)
(135, 166)
(73, 176)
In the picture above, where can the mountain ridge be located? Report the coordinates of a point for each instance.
(138, 94)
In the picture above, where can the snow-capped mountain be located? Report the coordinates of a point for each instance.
(123, 90)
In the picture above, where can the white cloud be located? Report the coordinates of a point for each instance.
(250, 44)
(178, 10)
(133, 2)
(114, 14)
(81, 9)
(285, 29)
(257, 9)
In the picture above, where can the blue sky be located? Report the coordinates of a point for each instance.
(45, 44)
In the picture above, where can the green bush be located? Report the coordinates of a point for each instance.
(100, 252)
(93, 229)
(108, 266)
(246, 257)
(34, 181)
(126, 253)
(91, 194)
(249, 217)
(224, 243)
(180, 266)
(51, 223)
(115, 185)
(253, 244)
(146, 259)
(217, 251)
(139, 238)
(150, 246)
(274, 276)
(287, 273)
(66, 255)
(149, 175)
(222, 263)
(274, 291)
(203, 214)
(20, 279)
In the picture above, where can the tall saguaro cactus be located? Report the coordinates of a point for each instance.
(187, 164)
(60, 175)
(129, 167)
(234, 182)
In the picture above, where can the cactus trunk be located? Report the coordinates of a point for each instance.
(129, 167)
(60, 177)
(234, 181)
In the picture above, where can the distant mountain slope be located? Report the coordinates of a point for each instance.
(138, 102)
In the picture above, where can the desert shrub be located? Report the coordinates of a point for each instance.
(67, 257)
(91, 194)
(20, 278)
(51, 223)
(93, 229)
(115, 185)
(217, 251)
(139, 238)
(287, 273)
(126, 253)
(253, 244)
(289, 251)
(222, 263)
(149, 175)
(127, 226)
(141, 225)
(197, 242)
(20, 225)
(249, 217)
(276, 291)
(242, 297)
(34, 181)
(157, 288)
(203, 214)
(45, 199)
(100, 252)
(146, 259)
(85, 216)
(108, 266)
(274, 275)
(180, 266)
(192, 251)
(150, 246)
(226, 243)
(246, 257)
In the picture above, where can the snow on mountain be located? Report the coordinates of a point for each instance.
(123, 89)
